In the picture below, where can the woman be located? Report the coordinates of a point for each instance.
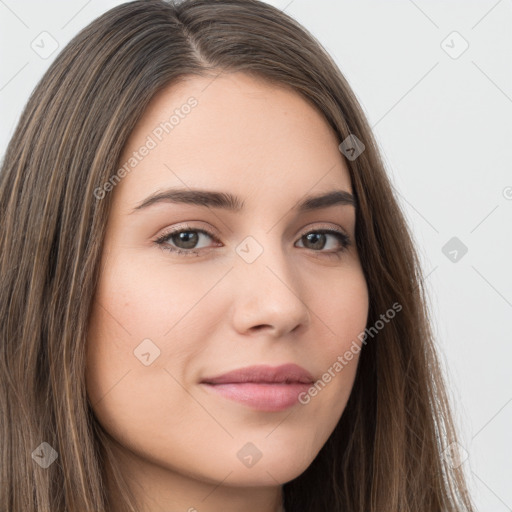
(210, 298)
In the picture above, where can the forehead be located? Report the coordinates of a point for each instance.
(232, 132)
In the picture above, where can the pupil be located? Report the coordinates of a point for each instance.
(189, 238)
(316, 235)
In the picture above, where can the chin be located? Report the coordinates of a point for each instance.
(271, 470)
(268, 476)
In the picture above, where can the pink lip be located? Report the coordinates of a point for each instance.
(265, 388)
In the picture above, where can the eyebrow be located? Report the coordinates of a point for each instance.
(227, 201)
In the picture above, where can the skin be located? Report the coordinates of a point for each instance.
(299, 301)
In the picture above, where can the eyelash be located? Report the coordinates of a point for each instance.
(161, 241)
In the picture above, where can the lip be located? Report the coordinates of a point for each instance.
(262, 387)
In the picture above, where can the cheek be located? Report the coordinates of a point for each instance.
(341, 314)
(144, 300)
(145, 313)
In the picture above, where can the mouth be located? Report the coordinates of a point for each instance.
(262, 388)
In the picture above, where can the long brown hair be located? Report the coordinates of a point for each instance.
(387, 452)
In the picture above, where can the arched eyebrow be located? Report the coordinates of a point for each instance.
(230, 202)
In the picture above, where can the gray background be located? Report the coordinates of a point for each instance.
(444, 124)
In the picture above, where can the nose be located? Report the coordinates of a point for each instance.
(268, 297)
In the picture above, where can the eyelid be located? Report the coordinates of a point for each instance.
(183, 226)
(315, 227)
(213, 234)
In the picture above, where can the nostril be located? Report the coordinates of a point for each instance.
(259, 327)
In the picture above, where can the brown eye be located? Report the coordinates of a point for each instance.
(183, 241)
(318, 239)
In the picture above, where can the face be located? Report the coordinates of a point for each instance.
(196, 286)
